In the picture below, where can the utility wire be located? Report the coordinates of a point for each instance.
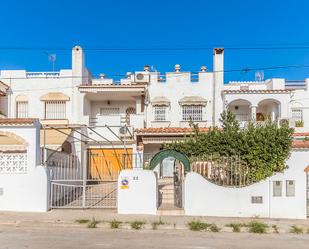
(246, 69)
(163, 48)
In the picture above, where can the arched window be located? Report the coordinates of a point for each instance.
(130, 110)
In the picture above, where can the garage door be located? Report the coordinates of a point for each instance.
(105, 164)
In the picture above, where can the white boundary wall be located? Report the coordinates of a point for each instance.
(203, 198)
(27, 191)
(137, 192)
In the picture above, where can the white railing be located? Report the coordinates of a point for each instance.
(42, 74)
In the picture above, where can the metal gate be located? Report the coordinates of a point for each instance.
(73, 187)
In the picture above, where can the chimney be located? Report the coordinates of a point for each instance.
(78, 65)
(218, 82)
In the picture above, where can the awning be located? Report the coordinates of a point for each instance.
(21, 98)
(193, 100)
(12, 143)
(161, 100)
(55, 96)
(54, 137)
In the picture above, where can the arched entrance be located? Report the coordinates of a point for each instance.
(163, 154)
(170, 181)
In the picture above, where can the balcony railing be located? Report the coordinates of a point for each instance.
(42, 74)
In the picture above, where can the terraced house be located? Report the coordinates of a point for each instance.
(91, 128)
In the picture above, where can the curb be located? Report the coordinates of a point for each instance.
(105, 225)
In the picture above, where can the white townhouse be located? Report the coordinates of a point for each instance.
(145, 109)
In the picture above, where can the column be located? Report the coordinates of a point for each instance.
(253, 113)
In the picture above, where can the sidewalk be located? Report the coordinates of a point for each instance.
(68, 217)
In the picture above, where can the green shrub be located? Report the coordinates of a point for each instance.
(93, 223)
(235, 226)
(198, 225)
(296, 229)
(82, 221)
(214, 228)
(275, 228)
(137, 225)
(257, 227)
(299, 123)
(262, 148)
(155, 224)
(115, 224)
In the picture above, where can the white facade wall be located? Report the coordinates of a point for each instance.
(177, 86)
(203, 198)
(137, 192)
(26, 191)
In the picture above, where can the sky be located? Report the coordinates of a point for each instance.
(49, 25)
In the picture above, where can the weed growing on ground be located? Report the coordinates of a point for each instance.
(115, 224)
(82, 221)
(93, 223)
(214, 228)
(257, 227)
(198, 225)
(275, 228)
(155, 224)
(137, 225)
(235, 226)
(296, 229)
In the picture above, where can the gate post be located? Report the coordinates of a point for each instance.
(84, 165)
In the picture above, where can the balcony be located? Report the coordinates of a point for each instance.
(115, 127)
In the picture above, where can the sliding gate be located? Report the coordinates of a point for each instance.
(92, 184)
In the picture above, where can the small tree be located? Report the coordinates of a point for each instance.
(263, 148)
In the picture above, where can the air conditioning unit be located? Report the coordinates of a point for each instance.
(125, 131)
(142, 77)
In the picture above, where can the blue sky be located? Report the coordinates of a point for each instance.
(135, 24)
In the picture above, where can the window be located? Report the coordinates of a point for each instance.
(277, 188)
(55, 109)
(21, 109)
(297, 115)
(160, 113)
(192, 112)
(290, 188)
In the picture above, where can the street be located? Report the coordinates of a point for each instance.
(72, 238)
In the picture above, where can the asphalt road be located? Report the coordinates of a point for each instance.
(85, 238)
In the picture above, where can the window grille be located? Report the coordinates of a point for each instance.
(55, 110)
(297, 115)
(106, 111)
(22, 109)
(277, 188)
(192, 112)
(160, 113)
(290, 188)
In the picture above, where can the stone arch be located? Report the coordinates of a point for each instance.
(269, 107)
(161, 155)
(241, 109)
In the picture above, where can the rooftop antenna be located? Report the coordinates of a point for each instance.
(52, 58)
(259, 76)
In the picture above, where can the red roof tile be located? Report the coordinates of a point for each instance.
(169, 130)
(17, 121)
(301, 134)
(300, 144)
